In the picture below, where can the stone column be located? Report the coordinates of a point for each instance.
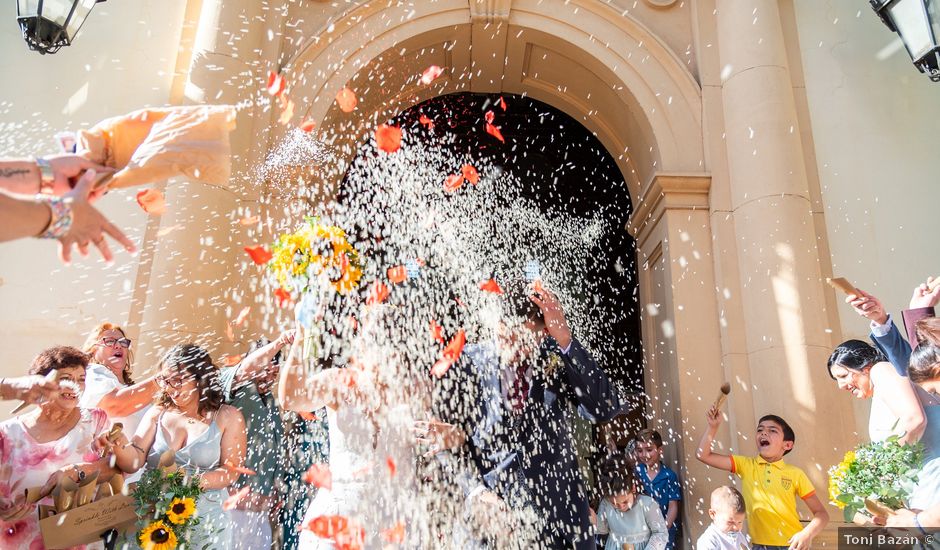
(777, 340)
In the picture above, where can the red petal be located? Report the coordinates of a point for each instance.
(494, 131)
(395, 535)
(231, 360)
(151, 201)
(450, 354)
(238, 469)
(388, 138)
(232, 501)
(378, 293)
(346, 99)
(470, 173)
(308, 416)
(327, 526)
(390, 462)
(283, 297)
(490, 116)
(319, 475)
(259, 254)
(430, 74)
(436, 331)
(276, 83)
(397, 274)
(502, 103)
(242, 315)
(287, 113)
(453, 182)
(491, 286)
(308, 125)
(426, 121)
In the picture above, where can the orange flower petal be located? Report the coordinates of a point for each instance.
(431, 73)
(283, 297)
(436, 331)
(388, 138)
(242, 315)
(378, 293)
(537, 285)
(151, 201)
(259, 254)
(470, 173)
(502, 103)
(491, 286)
(327, 526)
(427, 122)
(308, 416)
(308, 125)
(238, 469)
(490, 116)
(453, 182)
(397, 274)
(249, 220)
(231, 360)
(276, 83)
(232, 501)
(390, 463)
(319, 475)
(395, 535)
(494, 131)
(450, 354)
(346, 99)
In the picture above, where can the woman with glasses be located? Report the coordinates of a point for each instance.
(108, 382)
(207, 437)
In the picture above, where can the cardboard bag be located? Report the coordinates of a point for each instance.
(86, 524)
(152, 145)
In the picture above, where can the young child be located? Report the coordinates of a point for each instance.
(727, 512)
(658, 480)
(630, 520)
(770, 485)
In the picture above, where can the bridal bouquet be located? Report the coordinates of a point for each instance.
(165, 500)
(883, 471)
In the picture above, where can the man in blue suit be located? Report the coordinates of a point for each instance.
(509, 397)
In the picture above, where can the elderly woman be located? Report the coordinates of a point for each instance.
(57, 439)
(207, 437)
(896, 406)
(108, 383)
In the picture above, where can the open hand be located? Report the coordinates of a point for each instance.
(801, 541)
(89, 226)
(32, 389)
(923, 296)
(868, 306)
(440, 436)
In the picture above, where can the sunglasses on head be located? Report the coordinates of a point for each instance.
(111, 342)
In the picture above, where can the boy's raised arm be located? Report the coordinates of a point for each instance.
(704, 452)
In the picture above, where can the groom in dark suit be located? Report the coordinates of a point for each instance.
(509, 398)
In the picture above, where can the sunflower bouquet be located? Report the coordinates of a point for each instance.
(883, 471)
(165, 501)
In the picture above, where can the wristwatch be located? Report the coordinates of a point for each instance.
(46, 175)
(61, 220)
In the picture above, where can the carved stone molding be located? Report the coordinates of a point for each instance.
(490, 11)
(668, 192)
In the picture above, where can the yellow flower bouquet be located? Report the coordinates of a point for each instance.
(313, 254)
(882, 471)
(165, 499)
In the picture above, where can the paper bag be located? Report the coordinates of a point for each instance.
(152, 145)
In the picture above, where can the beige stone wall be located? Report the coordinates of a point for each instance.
(124, 59)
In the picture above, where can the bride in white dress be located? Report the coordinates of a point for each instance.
(374, 498)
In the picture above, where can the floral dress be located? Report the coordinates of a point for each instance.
(27, 463)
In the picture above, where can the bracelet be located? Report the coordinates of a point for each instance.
(61, 220)
(918, 525)
(46, 175)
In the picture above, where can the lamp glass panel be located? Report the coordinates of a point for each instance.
(27, 8)
(910, 18)
(81, 13)
(56, 11)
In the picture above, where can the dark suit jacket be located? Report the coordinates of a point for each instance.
(527, 457)
(895, 348)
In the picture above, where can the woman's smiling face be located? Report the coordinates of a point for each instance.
(72, 383)
(109, 352)
(858, 383)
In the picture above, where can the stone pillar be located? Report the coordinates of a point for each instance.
(195, 276)
(681, 337)
(777, 341)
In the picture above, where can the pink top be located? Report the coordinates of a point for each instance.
(27, 463)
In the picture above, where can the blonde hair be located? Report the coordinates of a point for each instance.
(92, 342)
(729, 499)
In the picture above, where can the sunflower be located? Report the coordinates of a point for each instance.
(157, 536)
(180, 510)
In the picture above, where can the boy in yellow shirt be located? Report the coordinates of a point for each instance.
(770, 485)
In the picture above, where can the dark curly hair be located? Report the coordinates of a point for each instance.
(925, 363)
(854, 355)
(59, 357)
(195, 362)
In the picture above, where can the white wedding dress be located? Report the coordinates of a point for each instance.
(373, 478)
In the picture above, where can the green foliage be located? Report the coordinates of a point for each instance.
(884, 470)
(156, 490)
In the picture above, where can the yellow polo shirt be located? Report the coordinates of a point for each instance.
(769, 490)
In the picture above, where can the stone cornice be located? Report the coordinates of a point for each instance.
(490, 11)
(668, 191)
